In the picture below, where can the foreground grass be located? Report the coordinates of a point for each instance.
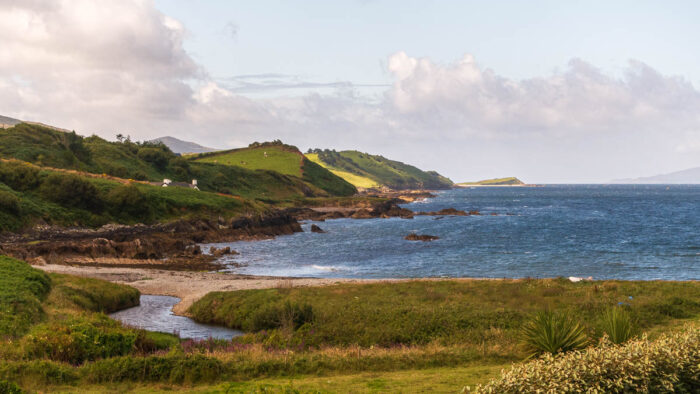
(439, 380)
(389, 337)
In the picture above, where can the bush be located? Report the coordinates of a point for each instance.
(669, 364)
(129, 201)
(9, 388)
(79, 339)
(19, 176)
(156, 156)
(71, 191)
(550, 332)
(9, 202)
(617, 324)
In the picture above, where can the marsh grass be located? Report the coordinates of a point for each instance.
(450, 312)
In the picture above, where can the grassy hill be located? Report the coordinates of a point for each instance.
(30, 194)
(510, 181)
(370, 171)
(148, 161)
(283, 159)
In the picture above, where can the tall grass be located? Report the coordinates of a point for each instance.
(451, 312)
(617, 324)
(22, 288)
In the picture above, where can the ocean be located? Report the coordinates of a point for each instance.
(605, 231)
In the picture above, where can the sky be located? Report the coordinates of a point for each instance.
(549, 91)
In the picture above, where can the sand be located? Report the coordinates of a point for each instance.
(189, 286)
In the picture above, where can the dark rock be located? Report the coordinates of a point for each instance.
(420, 237)
(445, 212)
(316, 229)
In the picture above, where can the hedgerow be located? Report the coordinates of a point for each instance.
(670, 363)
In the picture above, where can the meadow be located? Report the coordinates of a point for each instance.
(383, 337)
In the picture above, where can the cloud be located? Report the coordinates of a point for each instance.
(92, 64)
(466, 98)
(120, 66)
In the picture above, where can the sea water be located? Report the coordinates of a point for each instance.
(604, 231)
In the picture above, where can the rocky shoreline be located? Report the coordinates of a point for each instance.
(175, 246)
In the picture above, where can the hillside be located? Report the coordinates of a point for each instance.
(510, 181)
(369, 171)
(180, 146)
(47, 147)
(283, 159)
(689, 176)
(30, 194)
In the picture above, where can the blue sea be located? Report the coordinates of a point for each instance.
(604, 231)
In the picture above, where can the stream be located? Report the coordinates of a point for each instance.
(155, 313)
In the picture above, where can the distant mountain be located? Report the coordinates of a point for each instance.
(511, 181)
(691, 175)
(8, 122)
(180, 146)
(373, 171)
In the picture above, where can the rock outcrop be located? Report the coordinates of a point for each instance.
(420, 237)
(316, 229)
(167, 246)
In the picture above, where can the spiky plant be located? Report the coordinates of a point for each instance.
(551, 332)
(617, 323)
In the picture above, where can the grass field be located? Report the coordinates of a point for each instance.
(273, 158)
(379, 170)
(483, 314)
(283, 159)
(355, 179)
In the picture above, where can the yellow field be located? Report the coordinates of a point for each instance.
(355, 180)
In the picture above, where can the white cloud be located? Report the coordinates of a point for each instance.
(120, 66)
(466, 98)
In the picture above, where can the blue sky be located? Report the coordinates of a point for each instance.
(331, 41)
(549, 91)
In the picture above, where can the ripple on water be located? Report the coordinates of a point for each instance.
(155, 313)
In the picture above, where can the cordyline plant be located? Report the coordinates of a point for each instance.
(671, 363)
(551, 332)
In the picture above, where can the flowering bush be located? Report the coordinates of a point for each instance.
(669, 364)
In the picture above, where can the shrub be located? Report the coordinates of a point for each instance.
(71, 191)
(19, 176)
(156, 156)
(77, 340)
(9, 388)
(550, 332)
(617, 324)
(129, 201)
(668, 364)
(9, 202)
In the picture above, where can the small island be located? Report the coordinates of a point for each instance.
(510, 181)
